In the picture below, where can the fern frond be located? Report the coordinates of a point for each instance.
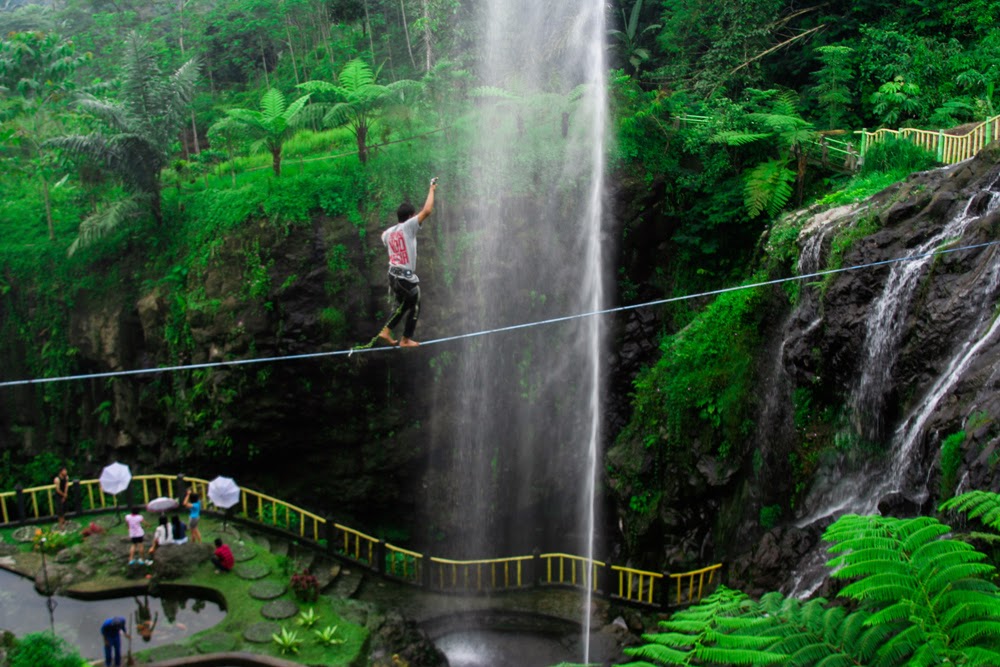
(982, 505)
(768, 188)
(663, 655)
(737, 138)
(722, 656)
(272, 104)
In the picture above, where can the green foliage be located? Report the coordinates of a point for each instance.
(896, 100)
(307, 618)
(288, 641)
(272, 126)
(360, 101)
(833, 84)
(893, 155)
(702, 385)
(918, 598)
(951, 459)
(51, 540)
(982, 505)
(44, 648)
(328, 636)
(769, 516)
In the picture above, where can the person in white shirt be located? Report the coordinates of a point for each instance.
(401, 242)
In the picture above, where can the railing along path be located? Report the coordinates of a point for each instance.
(650, 589)
(948, 147)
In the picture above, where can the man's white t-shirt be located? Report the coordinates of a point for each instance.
(401, 241)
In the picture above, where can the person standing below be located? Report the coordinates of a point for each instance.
(62, 495)
(193, 503)
(401, 242)
(135, 522)
(222, 559)
(110, 630)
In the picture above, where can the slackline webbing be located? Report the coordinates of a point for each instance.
(487, 332)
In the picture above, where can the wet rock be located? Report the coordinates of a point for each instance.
(403, 638)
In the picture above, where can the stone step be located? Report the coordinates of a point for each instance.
(347, 583)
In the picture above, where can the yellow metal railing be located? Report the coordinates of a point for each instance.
(404, 564)
(567, 569)
(949, 148)
(480, 575)
(636, 585)
(459, 576)
(700, 575)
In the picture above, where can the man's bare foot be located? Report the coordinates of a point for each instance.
(406, 342)
(386, 336)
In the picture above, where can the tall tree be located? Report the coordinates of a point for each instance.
(38, 67)
(134, 144)
(272, 125)
(360, 100)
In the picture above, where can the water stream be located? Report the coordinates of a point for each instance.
(527, 425)
(861, 491)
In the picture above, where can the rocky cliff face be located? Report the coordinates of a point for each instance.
(859, 380)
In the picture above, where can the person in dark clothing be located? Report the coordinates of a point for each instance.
(62, 495)
(401, 242)
(222, 559)
(111, 631)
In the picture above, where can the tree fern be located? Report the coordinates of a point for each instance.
(982, 505)
(768, 188)
(934, 592)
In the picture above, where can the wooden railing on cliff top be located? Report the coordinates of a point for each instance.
(625, 584)
(949, 148)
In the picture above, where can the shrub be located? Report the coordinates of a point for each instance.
(951, 459)
(43, 648)
(892, 154)
(305, 585)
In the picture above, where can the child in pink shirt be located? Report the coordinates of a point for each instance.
(135, 522)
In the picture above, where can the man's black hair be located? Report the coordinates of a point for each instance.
(405, 211)
(218, 541)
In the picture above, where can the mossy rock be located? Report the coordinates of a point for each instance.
(260, 633)
(279, 609)
(216, 642)
(266, 590)
(252, 570)
(242, 552)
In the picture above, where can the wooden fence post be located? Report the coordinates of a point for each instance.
(940, 146)
(536, 568)
(180, 489)
(605, 581)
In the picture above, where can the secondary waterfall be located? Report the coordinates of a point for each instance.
(861, 491)
(527, 424)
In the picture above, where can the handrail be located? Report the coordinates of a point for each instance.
(948, 148)
(478, 576)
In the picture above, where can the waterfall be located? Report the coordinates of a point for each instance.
(526, 421)
(861, 491)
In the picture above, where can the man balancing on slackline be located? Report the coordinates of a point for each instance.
(401, 242)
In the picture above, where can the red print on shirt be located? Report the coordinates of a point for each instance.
(397, 249)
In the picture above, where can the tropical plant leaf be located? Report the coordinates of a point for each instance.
(768, 187)
(982, 505)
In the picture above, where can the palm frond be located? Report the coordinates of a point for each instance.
(102, 222)
(357, 74)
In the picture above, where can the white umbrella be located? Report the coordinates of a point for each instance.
(115, 478)
(162, 504)
(223, 492)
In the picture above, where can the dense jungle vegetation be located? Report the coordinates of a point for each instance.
(135, 134)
